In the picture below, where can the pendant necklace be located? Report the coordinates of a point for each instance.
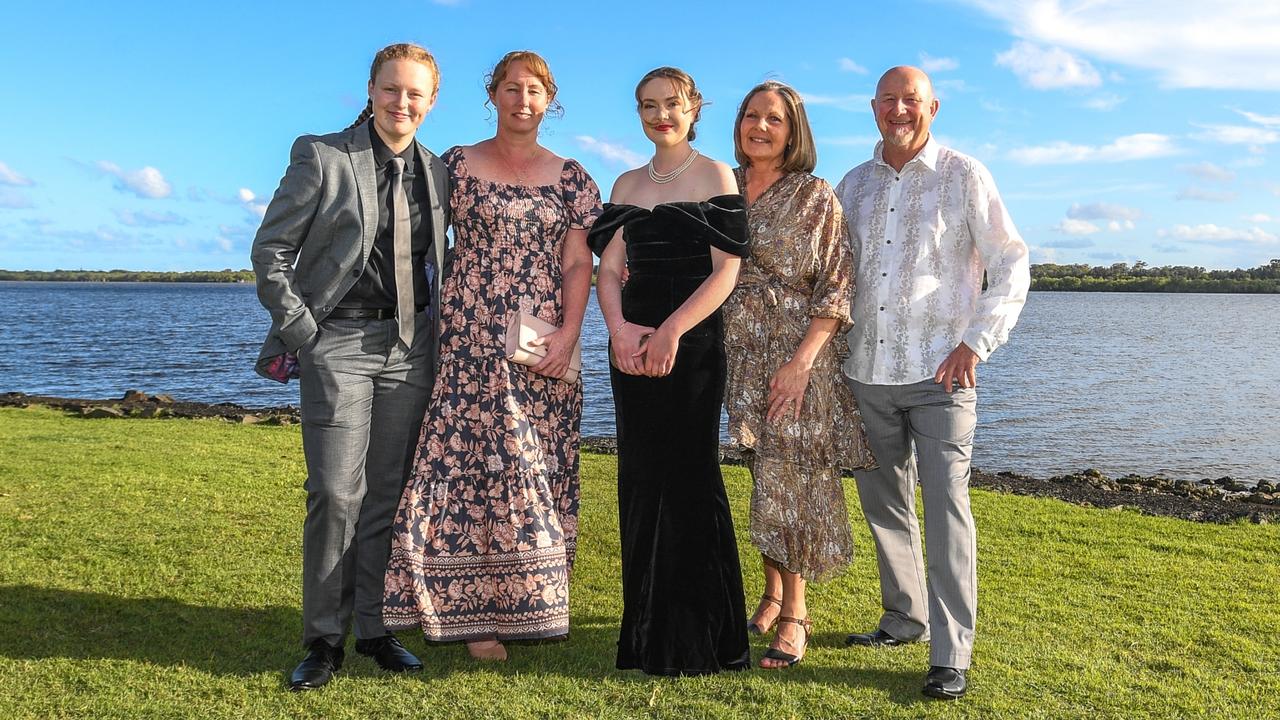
(522, 172)
(664, 178)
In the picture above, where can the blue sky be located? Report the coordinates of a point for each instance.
(143, 135)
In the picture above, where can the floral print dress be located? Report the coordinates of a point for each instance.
(800, 268)
(485, 535)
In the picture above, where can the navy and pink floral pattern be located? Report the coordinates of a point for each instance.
(485, 535)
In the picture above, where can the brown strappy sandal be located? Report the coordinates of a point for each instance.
(774, 653)
(754, 626)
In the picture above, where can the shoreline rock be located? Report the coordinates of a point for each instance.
(1217, 500)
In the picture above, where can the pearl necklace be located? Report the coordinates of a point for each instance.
(664, 178)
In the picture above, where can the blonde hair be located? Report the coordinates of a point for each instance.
(537, 65)
(684, 85)
(398, 51)
(801, 153)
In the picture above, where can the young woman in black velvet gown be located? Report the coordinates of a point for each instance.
(675, 230)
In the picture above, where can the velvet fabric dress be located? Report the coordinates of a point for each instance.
(683, 608)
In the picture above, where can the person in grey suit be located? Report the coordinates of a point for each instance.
(926, 224)
(346, 259)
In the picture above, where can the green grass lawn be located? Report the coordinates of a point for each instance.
(150, 569)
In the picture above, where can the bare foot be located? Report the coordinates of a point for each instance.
(487, 650)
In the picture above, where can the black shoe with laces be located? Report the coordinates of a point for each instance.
(389, 654)
(317, 668)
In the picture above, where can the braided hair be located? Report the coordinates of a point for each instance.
(398, 51)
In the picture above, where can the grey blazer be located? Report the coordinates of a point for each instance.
(317, 234)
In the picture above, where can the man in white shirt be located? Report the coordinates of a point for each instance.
(925, 222)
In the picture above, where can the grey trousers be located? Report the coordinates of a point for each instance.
(363, 399)
(940, 425)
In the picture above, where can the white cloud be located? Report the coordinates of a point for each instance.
(848, 65)
(247, 198)
(1120, 225)
(852, 103)
(1202, 195)
(1217, 233)
(149, 218)
(1220, 44)
(1103, 211)
(931, 64)
(1045, 69)
(147, 182)
(1104, 103)
(1208, 171)
(1268, 120)
(1041, 254)
(1259, 218)
(614, 153)
(9, 176)
(1129, 147)
(1237, 134)
(1070, 226)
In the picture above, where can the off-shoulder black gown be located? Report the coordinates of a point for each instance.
(683, 609)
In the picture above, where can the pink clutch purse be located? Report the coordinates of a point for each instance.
(526, 328)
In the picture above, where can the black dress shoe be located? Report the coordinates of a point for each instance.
(875, 638)
(389, 654)
(945, 683)
(317, 668)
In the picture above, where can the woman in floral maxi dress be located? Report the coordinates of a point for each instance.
(485, 535)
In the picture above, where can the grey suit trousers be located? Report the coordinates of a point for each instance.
(940, 425)
(363, 399)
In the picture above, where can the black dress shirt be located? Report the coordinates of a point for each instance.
(376, 288)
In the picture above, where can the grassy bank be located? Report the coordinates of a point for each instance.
(150, 569)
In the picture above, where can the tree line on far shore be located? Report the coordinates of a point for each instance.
(1140, 277)
(1118, 277)
(226, 275)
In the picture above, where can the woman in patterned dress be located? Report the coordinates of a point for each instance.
(485, 535)
(788, 405)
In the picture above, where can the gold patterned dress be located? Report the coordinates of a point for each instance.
(800, 268)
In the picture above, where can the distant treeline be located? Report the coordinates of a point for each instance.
(1118, 277)
(1121, 277)
(199, 276)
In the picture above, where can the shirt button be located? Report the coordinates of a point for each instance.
(326, 308)
(882, 307)
(890, 209)
(355, 273)
(884, 274)
(881, 342)
(888, 242)
(896, 179)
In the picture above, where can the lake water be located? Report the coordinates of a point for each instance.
(1184, 385)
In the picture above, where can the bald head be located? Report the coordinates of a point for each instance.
(906, 74)
(904, 107)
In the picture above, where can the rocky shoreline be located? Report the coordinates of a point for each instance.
(1209, 500)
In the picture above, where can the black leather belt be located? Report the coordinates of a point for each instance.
(365, 313)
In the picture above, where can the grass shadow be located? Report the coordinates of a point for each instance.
(45, 623)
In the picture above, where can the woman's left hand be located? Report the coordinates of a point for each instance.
(560, 345)
(660, 352)
(786, 391)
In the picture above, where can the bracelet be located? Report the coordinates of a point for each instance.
(617, 329)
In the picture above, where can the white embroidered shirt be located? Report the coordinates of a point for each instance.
(921, 240)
